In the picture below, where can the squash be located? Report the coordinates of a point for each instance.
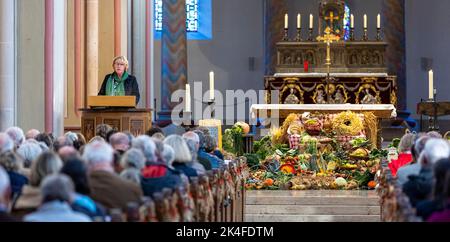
(245, 127)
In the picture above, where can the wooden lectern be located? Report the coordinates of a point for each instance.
(117, 111)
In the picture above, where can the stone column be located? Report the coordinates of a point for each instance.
(173, 54)
(92, 46)
(274, 11)
(149, 53)
(8, 80)
(117, 27)
(394, 35)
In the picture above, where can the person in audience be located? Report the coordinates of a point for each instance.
(80, 142)
(159, 149)
(46, 138)
(444, 214)
(16, 134)
(102, 129)
(47, 163)
(12, 163)
(29, 151)
(153, 131)
(419, 187)
(204, 158)
(183, 157)
(413, 168)
(109, 134)
(61, 142)
(404, 151)
(31, 134)
(81, 202)
(434, 134)
(159, 136)
(5, 197)
(209, 147)
(193, 149)
(97, 139)
(130, 137)
(67, 152)
(120, 142)
(6, 143)
(133, 161)
(56, 193)
(108, 188)
(437, 203)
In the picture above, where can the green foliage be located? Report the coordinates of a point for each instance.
(376, 153)
(263, 147)
(252, 161)
(360, 143)
(363, 178)
(232, 140)
(394, 144)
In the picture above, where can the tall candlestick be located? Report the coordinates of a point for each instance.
(286, 21)
(352, 21)
(365, 21)
(299, 21)
(311, 21)
(378, 21)
(188, 99)
(211, 86)
(430, 85)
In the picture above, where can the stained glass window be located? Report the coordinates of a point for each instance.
(192, 23)
(347, 23)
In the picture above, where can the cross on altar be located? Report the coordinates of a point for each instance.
(331, 18)
(328, 38)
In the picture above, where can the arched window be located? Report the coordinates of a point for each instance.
(198, 19)
(347, 22)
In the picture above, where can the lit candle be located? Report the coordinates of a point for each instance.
(188, 99)
(285, 21)
(430, 84)
(299, 21)
(365, 21)
(211, 85)
(311, 21)
(352, 21)
(378, 21)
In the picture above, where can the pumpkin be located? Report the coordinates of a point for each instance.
(287, 169)
(268, 182)
(245, 127)
(372, 184)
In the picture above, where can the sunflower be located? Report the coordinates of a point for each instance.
(348, 123)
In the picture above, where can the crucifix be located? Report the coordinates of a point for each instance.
(331, 18)
(328, 38)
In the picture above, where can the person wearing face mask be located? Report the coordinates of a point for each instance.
(120, 82)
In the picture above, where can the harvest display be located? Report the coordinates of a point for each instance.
(313, 152)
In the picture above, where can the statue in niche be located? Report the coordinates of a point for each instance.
(287, 60)
(338, 97)
(376, 58)
(299, 60)
(368, 98)
(364, 58)
(320, 97)
(292, 98)
(353, 59)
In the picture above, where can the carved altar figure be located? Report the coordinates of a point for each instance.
(368, 98)
(338, 97)
(320, 97)
(292, 98)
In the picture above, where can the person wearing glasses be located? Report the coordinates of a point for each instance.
(120, 82)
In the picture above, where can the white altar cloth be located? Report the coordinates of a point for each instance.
(331, 74)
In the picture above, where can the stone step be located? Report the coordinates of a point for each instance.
(312, 210)
(312, 200)
(311, 218)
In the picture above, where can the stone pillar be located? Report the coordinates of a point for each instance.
(274, 11)
(173, 54)
(8, 80)
(394, 35)
(149, 53)
(117, 27)
(92, 48)
(55, 65)
(137, 59)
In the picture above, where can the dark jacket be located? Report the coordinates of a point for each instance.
(131, 87)
(4, 217)
(17, 182)
(419, 187)
(156, 183)
(185, 169)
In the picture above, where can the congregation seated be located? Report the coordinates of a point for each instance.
(56, 193)
(46, 164)
(442, 213)
(102, 130)
(60, 142)
(6, 143)
(413, 167)
(133, 161)
(29, 151)
(419, 187)
(46, 139)
(13, 163)
(183, 158)
(404, 153)
(80, 201)
(193, 143)
(438, 202)
(17, 135)
(209, 161)
(32, 133)
(106, 186)
(210, 147)
(5, 197)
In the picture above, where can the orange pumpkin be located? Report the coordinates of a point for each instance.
(268, 182)
(245, 127)
(372, 184)
(287, 169)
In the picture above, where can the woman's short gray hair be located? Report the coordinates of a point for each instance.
(16, 135)
(98, 153)
(182, 153)
(147, 146)
(168, 154)
(6, 143)
(406, 142)
(46, 164)
(29, 151)
(133, 158)
(57, 187)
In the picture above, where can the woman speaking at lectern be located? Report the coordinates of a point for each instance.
(120, 83)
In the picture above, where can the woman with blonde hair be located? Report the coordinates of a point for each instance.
(120, 82)
(183, 157)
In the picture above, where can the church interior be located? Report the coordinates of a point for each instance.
(224, 111)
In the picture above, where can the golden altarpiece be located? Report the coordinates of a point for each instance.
(330, 69)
